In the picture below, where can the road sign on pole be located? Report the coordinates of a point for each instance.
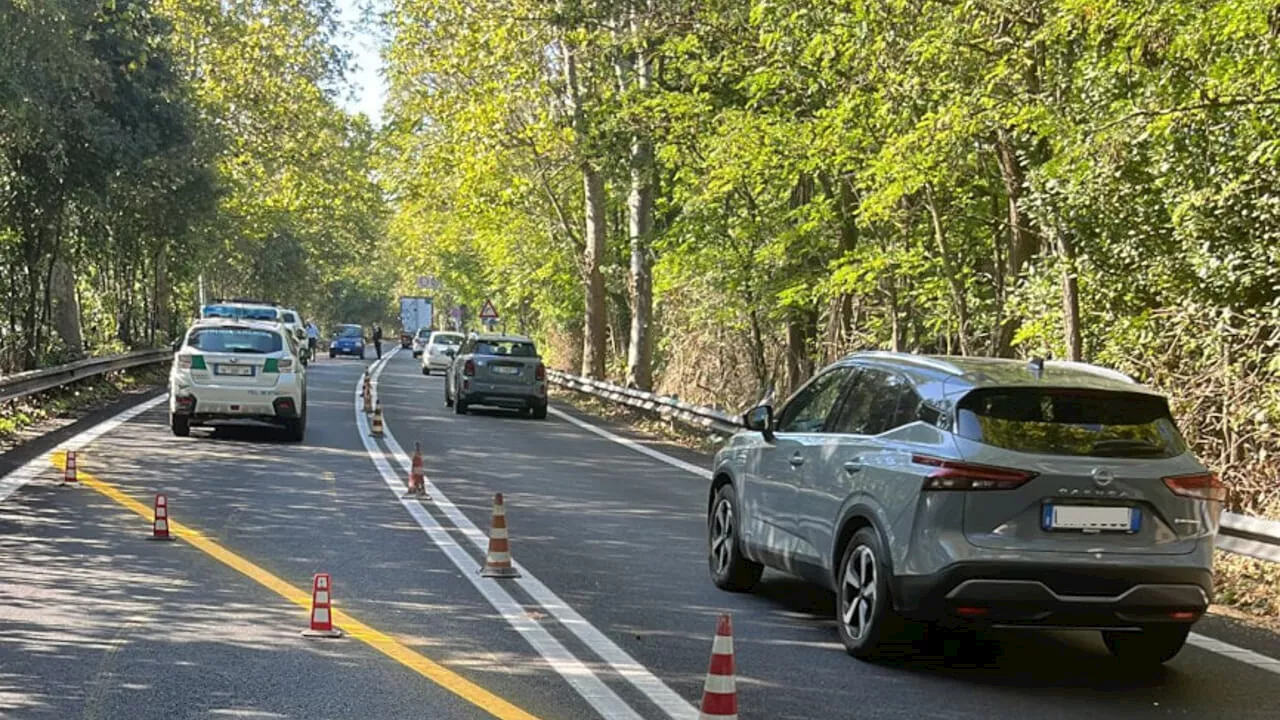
(488, 312)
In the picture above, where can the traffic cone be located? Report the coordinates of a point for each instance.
(497, 562)
(69, 475)
(160, 526)
(417, 478)
(368, 396)
(322, 609)
(377, 421)
(720, 693)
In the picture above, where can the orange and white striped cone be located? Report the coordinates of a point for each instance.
(322, 609)
(376, 430)
(368, 396)
(417, 478)
(160, 525)
(70, 476)
(497, 562)
(720, 694)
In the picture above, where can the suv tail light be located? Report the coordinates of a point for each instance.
(469, 369)
(953, 475)
(184, 362)
(1202, 486)
(191, 362)
(285, 365)
(540, 373)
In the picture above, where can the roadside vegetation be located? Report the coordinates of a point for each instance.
(147, 143)
(716, 198)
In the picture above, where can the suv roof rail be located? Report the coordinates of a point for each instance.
(1092, 370)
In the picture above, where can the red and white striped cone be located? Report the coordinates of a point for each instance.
(322, 609)
(376, 430)
(720, 694)
(69, 474)
(497, 562)
(417, 478)
(160, 525)
(368, 396)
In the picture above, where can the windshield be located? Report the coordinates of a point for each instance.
(512, 348)
(1070, 422)
(350, 331)
(235, 340)
(446, 339)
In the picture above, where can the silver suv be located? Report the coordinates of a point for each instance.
(498, 370)
(973, 491)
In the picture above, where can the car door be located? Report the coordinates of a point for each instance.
(784, 462)
(857, 460)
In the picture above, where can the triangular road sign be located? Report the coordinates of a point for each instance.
(488, 312)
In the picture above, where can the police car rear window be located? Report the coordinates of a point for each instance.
(236, 340)
(1070, 422)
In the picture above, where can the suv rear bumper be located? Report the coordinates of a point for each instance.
(1055, 595)
(501, 399)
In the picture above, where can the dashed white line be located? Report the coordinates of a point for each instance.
(578, 675)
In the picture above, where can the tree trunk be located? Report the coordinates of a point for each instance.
(953, 279)
(1070, 299)
(640, 212)
(66, 308)
(595, 321)
(1022, 241)
(164, 297)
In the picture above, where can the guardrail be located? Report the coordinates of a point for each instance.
(27, 383)
(1240, 534)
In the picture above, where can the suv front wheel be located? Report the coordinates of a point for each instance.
(1154, 645)
(865, 616)
(730, 569)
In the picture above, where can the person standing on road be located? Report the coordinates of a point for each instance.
(377, 340)
(313, 338)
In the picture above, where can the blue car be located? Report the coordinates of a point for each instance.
(348, 340)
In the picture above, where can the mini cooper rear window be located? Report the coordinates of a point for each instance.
(236, 340)
(1070, 422)
(505, 347)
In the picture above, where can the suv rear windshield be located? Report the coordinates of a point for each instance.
(505, 347)
(1070, 422)
(235, 340)
(446, 339)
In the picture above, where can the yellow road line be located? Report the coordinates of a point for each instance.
(375, 639)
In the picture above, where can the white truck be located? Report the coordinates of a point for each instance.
(416, 313)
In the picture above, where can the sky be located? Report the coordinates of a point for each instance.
(365, 75)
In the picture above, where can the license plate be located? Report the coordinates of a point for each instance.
(1091, 518)
(506, 370)
(239, 370)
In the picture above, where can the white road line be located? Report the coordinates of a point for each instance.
(31, 470)
(1203, 642)
(638, 675)
(569, 667)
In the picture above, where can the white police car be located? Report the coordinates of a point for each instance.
(228, 370)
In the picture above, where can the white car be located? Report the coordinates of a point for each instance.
(420, 341)
(238, 370)
(434, 355)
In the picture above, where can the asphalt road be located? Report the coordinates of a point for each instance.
(612, 618)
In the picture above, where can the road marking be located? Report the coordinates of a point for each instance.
(375, 639)
(10, 483)
(1203, 642)
(574, 671)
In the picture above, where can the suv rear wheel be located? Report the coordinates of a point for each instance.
(1154, 645)
(730, 569)
(865, 616)
(180, 424)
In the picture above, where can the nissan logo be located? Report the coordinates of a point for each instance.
(1103, 477)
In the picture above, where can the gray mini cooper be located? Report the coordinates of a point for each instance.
(973, 491)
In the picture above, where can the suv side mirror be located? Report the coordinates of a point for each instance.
(760, 419)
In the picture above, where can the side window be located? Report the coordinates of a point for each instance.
(879, 402)
(807, 412)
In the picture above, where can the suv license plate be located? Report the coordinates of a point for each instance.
(1091, 518)
(240, 370)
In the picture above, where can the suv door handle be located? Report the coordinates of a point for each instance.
(796, 460)
(852, 467)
